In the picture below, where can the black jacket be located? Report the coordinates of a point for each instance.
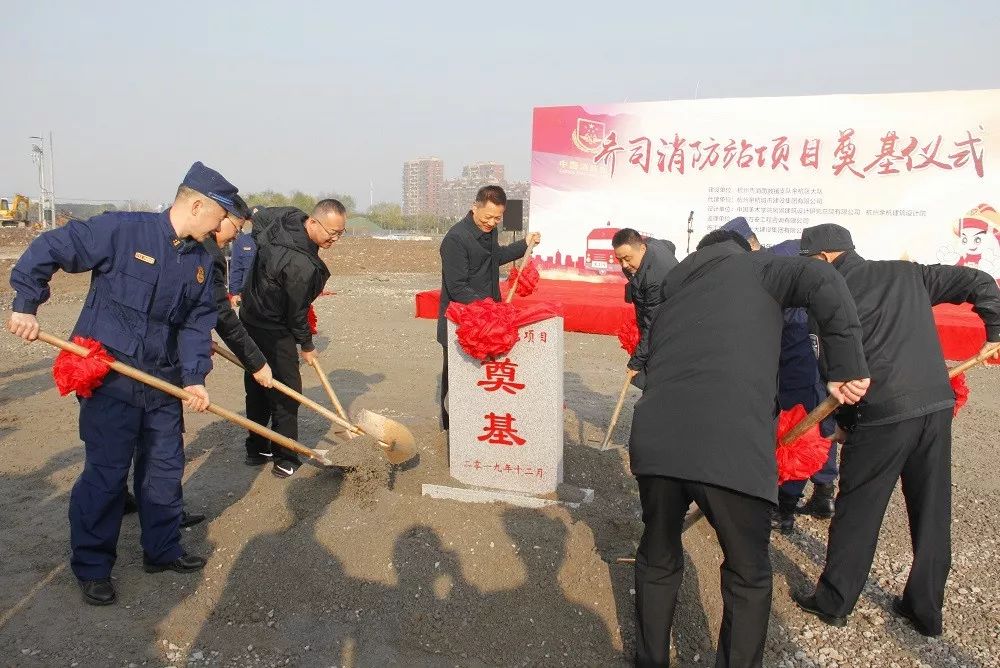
(287, 274)
(228, 326)
(894, 302)
(644, 291)
(470, 266)
(708, 413)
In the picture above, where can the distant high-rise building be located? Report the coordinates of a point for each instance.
(422, 182)
(484, 173)
(426, 191)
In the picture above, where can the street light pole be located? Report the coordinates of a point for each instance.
(52, 181)
(49, 193)
(38, 157)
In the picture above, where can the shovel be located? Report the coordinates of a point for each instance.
(830, 404)
(395, 440)
(974, 361)
(321, 456)
(329, 389)
(618, 410)
(386, 430)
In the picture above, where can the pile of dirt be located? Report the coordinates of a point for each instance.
(367, 478)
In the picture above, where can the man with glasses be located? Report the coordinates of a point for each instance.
(470, 264)
(286, 276)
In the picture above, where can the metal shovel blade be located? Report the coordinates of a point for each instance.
(402, 446)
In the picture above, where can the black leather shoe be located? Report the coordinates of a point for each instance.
(820, 504)
(783, 517)
(98, 592)
(130, 505)
(190, 519)
(783, 520)
(186, 563)
(808, 603)
(900, 607)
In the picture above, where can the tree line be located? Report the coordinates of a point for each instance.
(386, 215)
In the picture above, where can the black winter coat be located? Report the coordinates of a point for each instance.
(644, 291)
(470, 267)
(894, 300)
(286, 277)
(708, 413)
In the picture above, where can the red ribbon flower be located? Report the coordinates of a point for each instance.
(804, 456)
(628, 334)
(82, 375)
(529, 279)
(961, 390)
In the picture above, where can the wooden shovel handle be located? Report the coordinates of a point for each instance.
(299, 397)
(814, 417)
(830, 404)
(616, 413)
(174, 391)
(329, 389)
(517, 279)
(979, 358)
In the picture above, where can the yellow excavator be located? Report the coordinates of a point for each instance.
(13, 212)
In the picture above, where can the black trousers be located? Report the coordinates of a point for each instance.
(917, 450)
(268, 407)
(743, 525)
(444, 389)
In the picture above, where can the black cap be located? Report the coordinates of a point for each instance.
(212, 184)
(825, 237)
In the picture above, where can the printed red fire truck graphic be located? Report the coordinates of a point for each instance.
(600, 255)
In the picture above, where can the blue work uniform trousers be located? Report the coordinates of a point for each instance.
(112, 430)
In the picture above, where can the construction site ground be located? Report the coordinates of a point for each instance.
(328, 569)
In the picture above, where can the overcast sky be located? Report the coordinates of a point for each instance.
(326, 96)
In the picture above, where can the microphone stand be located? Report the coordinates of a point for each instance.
(690, 229)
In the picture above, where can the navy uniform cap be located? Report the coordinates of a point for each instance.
(242, 210)
(212, 184)
(740, 226)
(826, 237)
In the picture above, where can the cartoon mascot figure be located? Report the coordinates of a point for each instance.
(978, 234)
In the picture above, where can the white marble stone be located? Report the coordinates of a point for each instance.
(506, 415)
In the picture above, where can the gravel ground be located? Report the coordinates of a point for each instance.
(329, 569)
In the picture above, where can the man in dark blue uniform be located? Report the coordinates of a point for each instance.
(799, 382)
(150, 304)
(229, 327)
(240, 261)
